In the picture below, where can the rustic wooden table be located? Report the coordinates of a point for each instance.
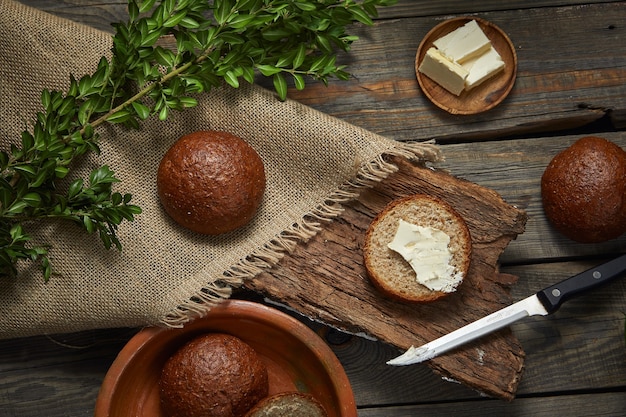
(571, 82)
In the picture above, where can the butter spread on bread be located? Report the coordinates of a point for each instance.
(388, 271)
(426, 250)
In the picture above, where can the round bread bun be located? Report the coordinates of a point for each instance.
(583, 190)
(388, 270)
(288, 404)
(214, 375)
(211, 182)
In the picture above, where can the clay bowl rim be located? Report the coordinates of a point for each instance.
(339, 400)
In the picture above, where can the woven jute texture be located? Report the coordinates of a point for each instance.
(166, 275)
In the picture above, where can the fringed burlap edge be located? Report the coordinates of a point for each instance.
(309, 225)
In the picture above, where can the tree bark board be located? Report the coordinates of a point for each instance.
(325, 279)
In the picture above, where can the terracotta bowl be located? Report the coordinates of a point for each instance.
(296, 357)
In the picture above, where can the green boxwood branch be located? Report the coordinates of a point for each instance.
(216, 41)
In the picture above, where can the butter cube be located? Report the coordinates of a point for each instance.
(444, 72)
(482, 68)
(463, 43)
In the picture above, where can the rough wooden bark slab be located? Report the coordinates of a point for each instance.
(325, 279)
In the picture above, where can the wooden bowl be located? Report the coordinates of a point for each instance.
(483, 97)
(296, 357)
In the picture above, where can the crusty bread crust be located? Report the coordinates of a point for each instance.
(388, 271)
(211, 182)
(583, 190)
(288, 404)
(213, 375)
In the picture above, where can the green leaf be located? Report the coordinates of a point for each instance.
(27, 140)
(323, 43)
(360, 15)
(298, 59)
(67, 106)
(16, 232)
(298, 81)
(280, 85)
(248, 74)
(46, 99)
(88, 224)
(317, 64)
(231, 79)
(240, 21)
(268, 70)
(151, 38)
(41, 177)
(274, 35)
(174, 20)
(119, 116)
(232, 38)
(188, 102)
(61, 171)
(75, 188)
(97, 80)
(84, 112)
(164, 57)
(306, 6)
(133, 11)
(163, 113)
(189, 23)
(32, 199)
(26, 168)
(222, 11)
(145, 6)
(17, 207)
(143, 112)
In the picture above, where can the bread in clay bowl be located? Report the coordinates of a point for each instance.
(213, 375)
(288, 404)
(438, 243)
(211, 182)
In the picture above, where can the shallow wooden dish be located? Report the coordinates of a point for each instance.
(296, 357)
(487, 95)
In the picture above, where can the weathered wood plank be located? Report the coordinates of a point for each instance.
(571, 71)
(416, 8)
(99, 13)
(583, 81)
(606, 404)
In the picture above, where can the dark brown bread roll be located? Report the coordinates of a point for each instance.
(288, 404)
(583, 190)
(215, 375)
(211, 182)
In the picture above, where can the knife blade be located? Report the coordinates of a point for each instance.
(543, 303)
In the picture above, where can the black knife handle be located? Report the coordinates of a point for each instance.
(552, 297)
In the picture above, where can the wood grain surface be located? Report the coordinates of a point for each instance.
(571, 81)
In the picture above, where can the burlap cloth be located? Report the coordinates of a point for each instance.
(166, 275)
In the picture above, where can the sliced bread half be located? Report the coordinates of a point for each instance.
(390, 272)
(288, 404)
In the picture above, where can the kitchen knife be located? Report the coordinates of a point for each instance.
(545, 302)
